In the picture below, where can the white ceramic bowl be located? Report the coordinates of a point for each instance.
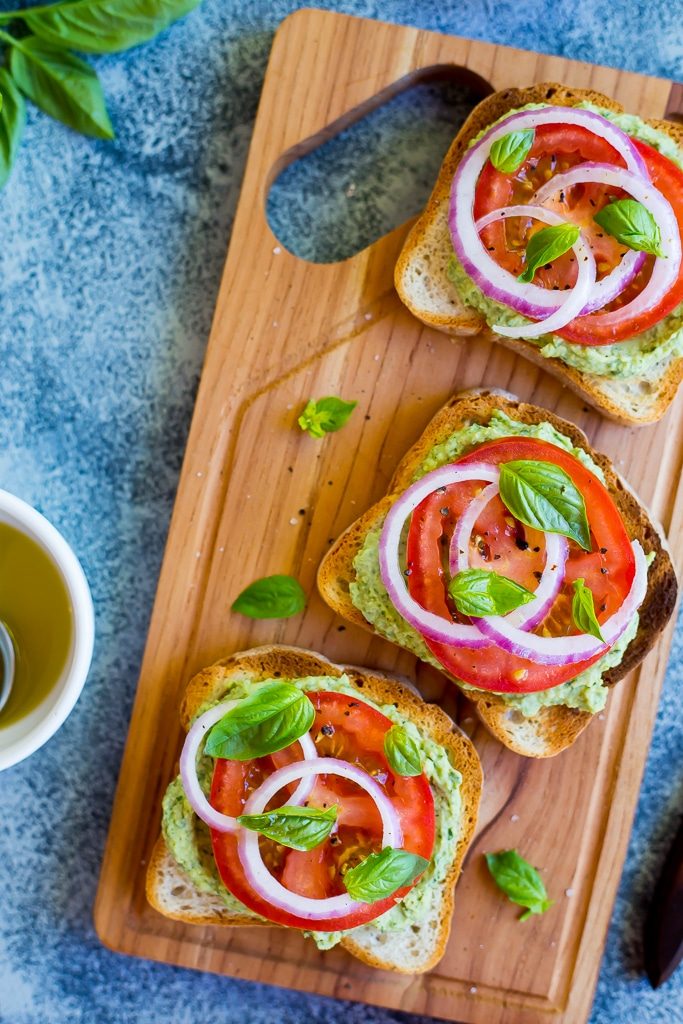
(22, 738)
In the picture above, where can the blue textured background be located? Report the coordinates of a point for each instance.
(109, 266)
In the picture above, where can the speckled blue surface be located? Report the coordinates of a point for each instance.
(109, 266)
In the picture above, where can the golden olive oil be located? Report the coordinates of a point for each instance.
(35, 606)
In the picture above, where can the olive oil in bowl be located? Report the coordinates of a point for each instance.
(36, 608)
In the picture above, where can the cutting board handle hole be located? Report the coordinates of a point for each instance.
(337, 193)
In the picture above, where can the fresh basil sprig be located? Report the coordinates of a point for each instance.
(543, 496)
(520, 882)
(547, 245)
(12, 121)
(104, 26)
(583, 610)
(299, 828)
(42, 67)
(402, 752)
(271, 597)
(269, 719)
(62, 85)
(632, 224)
(381, 874)
(509, 152)
(478, 592)
(325, 415)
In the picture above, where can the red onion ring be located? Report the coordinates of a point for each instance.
(665, 270)
(575, 299)
(188, 770)
(430, 625)
(567, 650)
(529, 299)
(603, 291)
(527, 616)
(255, 870)
(459, 558)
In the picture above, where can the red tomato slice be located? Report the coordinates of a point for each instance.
(555, 149)
(346, 728)
(499, 542)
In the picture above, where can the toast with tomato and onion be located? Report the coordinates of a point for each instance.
(325, 798)
(509, 555)
(555, 227)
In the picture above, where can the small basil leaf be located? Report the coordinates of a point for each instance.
(269, 719)
(63, 86)
(299, 828)
(325, 415)
(381, 874)
(272, 597)
(402, 752)
(12, 121)
(478, 592)
(632, 224)
(520, 882)
(546, 245)
(543, 496)
(104, 26)
(509, 153)
(583, 610)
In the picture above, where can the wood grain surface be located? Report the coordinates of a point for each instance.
(257, 496)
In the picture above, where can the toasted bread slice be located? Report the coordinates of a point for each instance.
(408, 951)
(423, 284)
(553, 728)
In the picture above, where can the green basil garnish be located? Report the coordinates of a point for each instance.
(62, 85)
(104, 26)
(478, 592)
(583, 610)
(272, 597)
(269, 719)
(546, 245)
(325, 415)
(543, 496)
(41, 66)
(520, 882)
(509, 153)
(381, 874)
(299, 828)
(632, 224)
(402, 752)
(12, 121)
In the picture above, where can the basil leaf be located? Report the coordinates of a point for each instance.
(520, 882)
(62, 85)
(381, 874)
(272, 597)
(509, 153)
(480, 592)
(543, 496)
(104, 26)
(546, 245)
(402, 752)
(269, 719)
(325, 416)
(299, 828)
(12, 121)
(583, 610)
(632, 224)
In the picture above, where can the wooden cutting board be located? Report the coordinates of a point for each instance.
(257, 496)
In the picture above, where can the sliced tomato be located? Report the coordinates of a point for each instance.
(555, 149)
(350, 729)
(501, 543)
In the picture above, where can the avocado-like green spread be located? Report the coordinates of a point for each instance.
(189, 841)
(586, 692)
(635, 357)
